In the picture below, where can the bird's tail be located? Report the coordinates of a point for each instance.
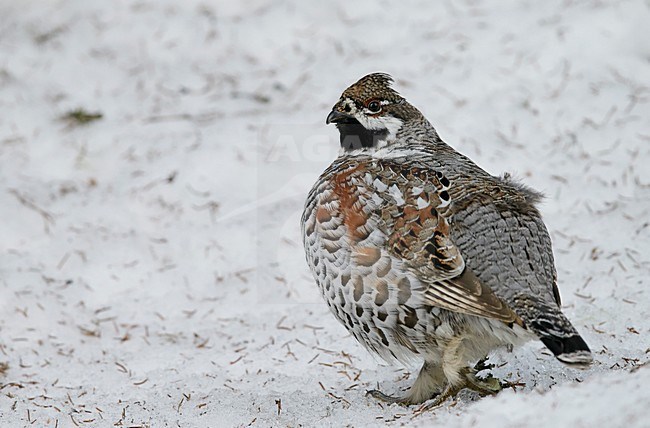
(558, 334)
(567, 347)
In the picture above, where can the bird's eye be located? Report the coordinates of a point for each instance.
(374, 106)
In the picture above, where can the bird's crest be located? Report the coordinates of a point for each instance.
(374, 85)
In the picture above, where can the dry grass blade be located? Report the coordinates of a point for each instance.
(81, 117)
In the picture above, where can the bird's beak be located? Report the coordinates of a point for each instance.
(338, 117)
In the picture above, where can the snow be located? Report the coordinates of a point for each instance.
(151, 270)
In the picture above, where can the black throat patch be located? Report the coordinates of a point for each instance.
(355, 136)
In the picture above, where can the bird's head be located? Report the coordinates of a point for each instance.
(370, 113)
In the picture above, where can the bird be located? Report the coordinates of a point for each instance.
(423, 256)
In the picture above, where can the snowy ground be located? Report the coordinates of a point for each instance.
(151, 271)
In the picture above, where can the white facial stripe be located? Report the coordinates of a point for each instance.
(369, 121)
(352, 106)
(347, 102)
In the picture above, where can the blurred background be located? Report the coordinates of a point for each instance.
(155, 156)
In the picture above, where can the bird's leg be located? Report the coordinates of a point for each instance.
(468, 379)
(449, 392)
(491, 380)
(429, 384)
(482, 364)
(488, 386)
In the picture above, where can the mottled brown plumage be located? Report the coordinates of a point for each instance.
(423, 255)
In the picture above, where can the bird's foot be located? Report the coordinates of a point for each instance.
(489, 382)
(449, 392)
(483, 365)
(438, 399)
(407, 400)
(375, 393)
(487, 386)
